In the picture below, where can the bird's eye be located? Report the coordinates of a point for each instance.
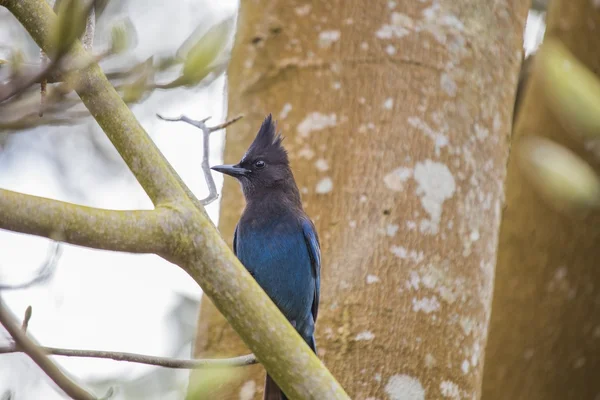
(259, 164)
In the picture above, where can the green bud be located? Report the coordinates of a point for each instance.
(70, 24)
(122, 36)
(562, 178)
(205, 51)
(571, 89)
(134, 92)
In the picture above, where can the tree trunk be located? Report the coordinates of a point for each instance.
(397, 117)
(545, 328)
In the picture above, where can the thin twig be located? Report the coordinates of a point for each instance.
(26, 318)
(37, 354)
(46, 270)
(15, 87)
(166, 362)
(206, 131)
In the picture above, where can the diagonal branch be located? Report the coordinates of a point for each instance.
(196, 245)
(40, 358)
(129, 231)
(143, 158)
(206, 131)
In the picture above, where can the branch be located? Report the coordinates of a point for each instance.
(129, 231)
(166, 362)
(206, 131)
(44, 273)
(138, 150)
(39, 357)
(196, 245)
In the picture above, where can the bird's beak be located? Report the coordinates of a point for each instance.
(232, 170)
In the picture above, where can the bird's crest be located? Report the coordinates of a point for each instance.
(267, 144)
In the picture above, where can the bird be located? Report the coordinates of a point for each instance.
(275, 239)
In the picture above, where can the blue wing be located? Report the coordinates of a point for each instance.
(314, 250)
(235, 240)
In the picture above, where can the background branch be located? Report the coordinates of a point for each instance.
(27, 346)
(47, 270)
(196, 244)
(166, 362)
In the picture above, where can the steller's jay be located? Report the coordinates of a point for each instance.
(275, 240)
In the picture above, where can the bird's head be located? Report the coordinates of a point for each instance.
(265, 165)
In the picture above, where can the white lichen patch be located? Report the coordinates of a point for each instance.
(465, 366)
(435, 186)
(306, 152)
(426, 304)
(325, 185)
(388, 104)
(365, 335)
(403, 253)
(404, 387)
(315, 121)
(303, 10)
(391, 229)
(327, 38)
(435, 278)
(248, 390)
(400, 25)
(287, 107)
(440, 140)
(371, 279)
(364, 46)
(322, 164)
(391, 50)
(481, 132)
(450, 390)
(448, 84)
(395, 179)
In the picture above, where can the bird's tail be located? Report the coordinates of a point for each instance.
(272, 391)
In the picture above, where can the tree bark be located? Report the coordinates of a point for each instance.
(545, 328)
(397, 117)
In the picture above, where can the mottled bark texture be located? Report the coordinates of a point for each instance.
(397, 117)
(545, 328)
(190, 239)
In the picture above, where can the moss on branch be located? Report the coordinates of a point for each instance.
(193, 241)
(129, 231)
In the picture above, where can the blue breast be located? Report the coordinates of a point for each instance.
(275, 253)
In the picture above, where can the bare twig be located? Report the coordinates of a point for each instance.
(206, 131)
(166, 362)
(46, 271)
(16, 86)
(38, 355)
(26, 319)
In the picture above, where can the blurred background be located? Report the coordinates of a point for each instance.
(95, 299)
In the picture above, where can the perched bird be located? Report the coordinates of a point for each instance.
(274, 239)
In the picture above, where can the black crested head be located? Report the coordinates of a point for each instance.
(264, 169)
(267, 144)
